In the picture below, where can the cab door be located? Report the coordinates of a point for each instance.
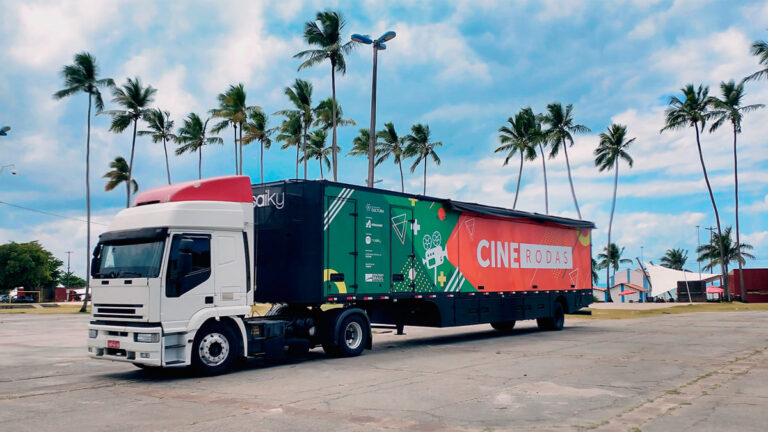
(189, 280)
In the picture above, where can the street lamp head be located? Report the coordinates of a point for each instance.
(4, 130)
(380, 46)
(386, 37)
(362, 39)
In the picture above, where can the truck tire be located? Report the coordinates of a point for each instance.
(353, 336)
(554, 322)
(215, 349)
(276, 310)
(503, 326)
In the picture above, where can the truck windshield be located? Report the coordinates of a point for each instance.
(125, 259)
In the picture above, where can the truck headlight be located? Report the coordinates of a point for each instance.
(92, 333)
(147, 337)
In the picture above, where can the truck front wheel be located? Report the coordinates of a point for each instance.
(215, 349)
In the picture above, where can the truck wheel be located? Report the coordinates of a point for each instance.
(215, 349)
(504, 326)
(352, 336)
(276, 310)
(556, 321)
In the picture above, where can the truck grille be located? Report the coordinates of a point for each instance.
(118, 311)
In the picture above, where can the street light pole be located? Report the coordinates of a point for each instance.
(378, 45)
(66, 289)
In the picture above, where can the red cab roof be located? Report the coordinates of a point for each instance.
(229, 188)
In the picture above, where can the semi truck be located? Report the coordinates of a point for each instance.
(176, 276)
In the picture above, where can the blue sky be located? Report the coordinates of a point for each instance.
(462, 67)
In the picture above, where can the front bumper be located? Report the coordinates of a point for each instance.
(118, 343)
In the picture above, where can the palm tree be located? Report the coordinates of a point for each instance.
(119, 174)
(674, 259)
(390, 144)
(730, 109)
(693, 110)
(301, 97)
(613, 147)
(360, 143)
(83, 76)
(324, 115)
(711, 253)
(559, 133)
(290, 134)
(256, 130)
(135, 99)
(595, 275)
(327, 37)
(517, 139)
(160, 129)
(760, 49)
(610, 259)
(191, 137)
(421, 148)
(234, 111)
(316, 149)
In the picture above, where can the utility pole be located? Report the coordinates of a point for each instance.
(66, 289)
(698, 245)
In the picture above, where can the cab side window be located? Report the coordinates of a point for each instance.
(189, 264)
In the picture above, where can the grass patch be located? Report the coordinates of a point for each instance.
(61, 310)
(681, 309)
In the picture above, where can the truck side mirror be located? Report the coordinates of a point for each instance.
(96, 260)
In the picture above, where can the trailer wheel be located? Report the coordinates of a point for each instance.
(556, 321)
(215, 349)
(504, 326)
(353, 336)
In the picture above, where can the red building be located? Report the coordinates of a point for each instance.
(755, 284)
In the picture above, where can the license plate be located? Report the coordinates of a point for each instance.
(113, 344)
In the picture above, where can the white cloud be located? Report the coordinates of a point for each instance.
(680, 9)
(714, 58)
(756, 207)
(440, 45)
(556, 9)
(46, 35)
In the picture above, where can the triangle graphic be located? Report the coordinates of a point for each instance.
(399, 225)
(469, 224)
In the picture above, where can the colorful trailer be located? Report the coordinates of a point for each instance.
(176, 275)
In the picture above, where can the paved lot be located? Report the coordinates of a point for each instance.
(704, 371)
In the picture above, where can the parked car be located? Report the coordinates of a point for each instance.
(24, 299)
(4, 299)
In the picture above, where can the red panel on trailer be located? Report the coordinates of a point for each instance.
(755, 284)
(229, 188)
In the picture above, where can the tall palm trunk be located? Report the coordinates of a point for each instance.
(519, 177)
(241, 149)
(402, 181)
(200, 163)
(87, 209)
(610, 227)
(321, 169)
(297, 161)
(425, 175)
(130, 165)
(167, 167)
(127, 194)
(234, 127)
(261, 161)
(570, 180)
(334, 149)
(304, 149)
(736, 194)
(546, 193)
(724, 277)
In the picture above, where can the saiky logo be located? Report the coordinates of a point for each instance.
(267, 199)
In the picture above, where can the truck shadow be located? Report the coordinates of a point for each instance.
(380, 347)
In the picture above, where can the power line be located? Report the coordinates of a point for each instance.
(49, 213)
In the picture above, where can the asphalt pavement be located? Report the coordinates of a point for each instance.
(688, 372)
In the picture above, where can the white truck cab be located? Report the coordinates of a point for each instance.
(179, 258)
